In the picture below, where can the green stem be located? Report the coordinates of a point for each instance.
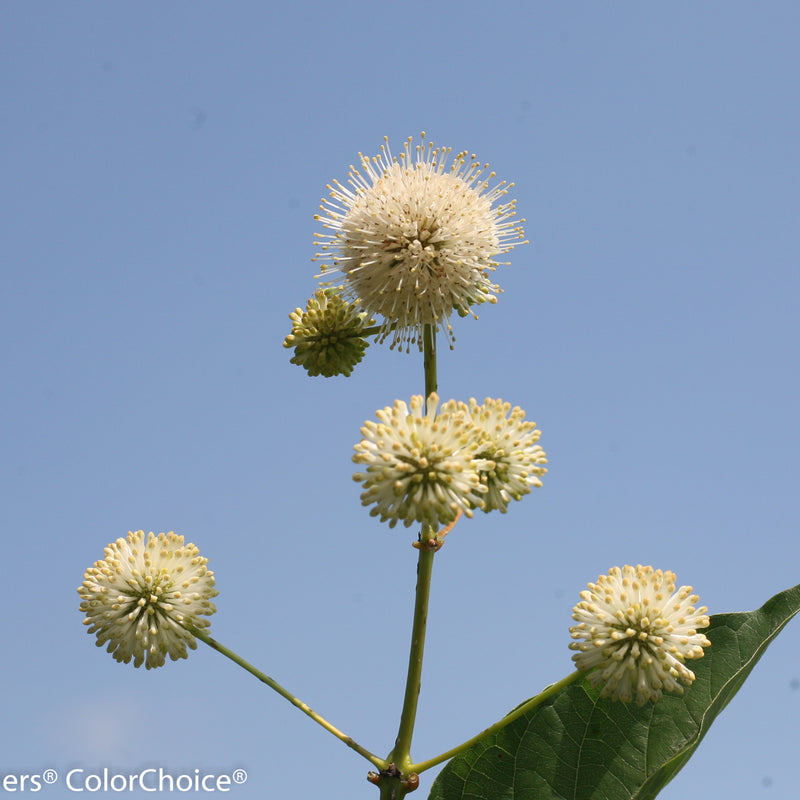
(527, 706)
(401, 754)
(429, 360)
(373, 330)
(380, 763)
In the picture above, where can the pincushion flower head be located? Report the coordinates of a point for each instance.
(635, 631)
(145, 594)
(413, 239)
(508, 459)
(419, 466)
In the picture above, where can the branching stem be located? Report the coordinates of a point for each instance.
(524, 708)
(306, 709)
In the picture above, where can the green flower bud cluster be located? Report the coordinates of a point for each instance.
(328, 337)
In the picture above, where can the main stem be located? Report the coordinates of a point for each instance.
(429, 361)
(401, 754)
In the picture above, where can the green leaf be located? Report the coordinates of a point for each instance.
(578, 746)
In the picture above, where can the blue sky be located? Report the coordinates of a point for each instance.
(161, 166)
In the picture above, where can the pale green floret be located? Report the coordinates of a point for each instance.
(328, 336)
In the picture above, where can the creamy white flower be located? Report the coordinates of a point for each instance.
(508, 460)
(144, 594)
(637, 630)
(413, 239)
(419, 465)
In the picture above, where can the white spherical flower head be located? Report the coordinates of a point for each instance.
(635, 631)
(144, 594)
(419, 465)
(414, 239)
(508, 459)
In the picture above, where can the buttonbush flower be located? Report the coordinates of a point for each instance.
(508, 460)
(635, 631)
(419, 466)
(144, 594)
(412, 239)
(327, 337)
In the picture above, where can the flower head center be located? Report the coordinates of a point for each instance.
(153, 586)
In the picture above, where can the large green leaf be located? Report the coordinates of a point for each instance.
(577, 746)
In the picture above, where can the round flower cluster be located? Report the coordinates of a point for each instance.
(413, 239)
(508, 459)
(635, 631)
(427, 467)
(145, 596)
(328, 337)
